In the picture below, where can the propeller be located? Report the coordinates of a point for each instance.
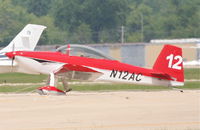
(13, 58)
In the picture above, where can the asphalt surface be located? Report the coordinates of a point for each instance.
(158, 110)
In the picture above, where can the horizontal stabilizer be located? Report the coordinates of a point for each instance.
(162, 75)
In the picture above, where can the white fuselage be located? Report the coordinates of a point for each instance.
(132, 78)
(31, 66)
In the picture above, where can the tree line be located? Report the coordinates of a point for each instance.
(100, 21)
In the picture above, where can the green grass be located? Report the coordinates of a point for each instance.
(193, 73)
(191, 85)
(97, 87)
(101, 87)
(26, 78)
(21, 78)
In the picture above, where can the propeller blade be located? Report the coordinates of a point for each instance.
(12, 62)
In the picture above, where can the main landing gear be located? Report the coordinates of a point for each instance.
(50, 89)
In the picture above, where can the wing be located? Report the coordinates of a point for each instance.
(78, 72)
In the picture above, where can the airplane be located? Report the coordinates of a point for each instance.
(27, 40)
(167, 70)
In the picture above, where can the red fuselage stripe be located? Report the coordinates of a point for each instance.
(76, 61)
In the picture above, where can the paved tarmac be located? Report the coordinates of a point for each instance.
(122, 110)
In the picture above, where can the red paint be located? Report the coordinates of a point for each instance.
(76, 63)
(162, 63)
(51, 88)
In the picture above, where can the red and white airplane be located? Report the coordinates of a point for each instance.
(167, 70)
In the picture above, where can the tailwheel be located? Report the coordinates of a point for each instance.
(70, 89)
(50, 90)
(180, 90)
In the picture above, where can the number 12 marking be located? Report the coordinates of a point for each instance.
(176, 65)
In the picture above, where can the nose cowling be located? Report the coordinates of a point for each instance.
(10, 54)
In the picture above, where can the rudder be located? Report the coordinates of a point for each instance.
(170, 61)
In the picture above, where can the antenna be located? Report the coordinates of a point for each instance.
(68, 49)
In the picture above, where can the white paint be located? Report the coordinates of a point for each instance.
(24, 40)
(176, 65)
(52, 79)
(30, 66)
(144, 79)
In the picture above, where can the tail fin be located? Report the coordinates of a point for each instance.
(170, 62)
(27, 39)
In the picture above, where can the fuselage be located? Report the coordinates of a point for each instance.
(111, 70)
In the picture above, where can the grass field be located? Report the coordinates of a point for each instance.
(21, 78)
(26, 78)
(192, 73)
(100, 87)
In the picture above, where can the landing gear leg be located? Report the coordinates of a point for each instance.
(50, 89)
(65, 85)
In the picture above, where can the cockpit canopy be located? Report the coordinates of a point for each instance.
(84, 51)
